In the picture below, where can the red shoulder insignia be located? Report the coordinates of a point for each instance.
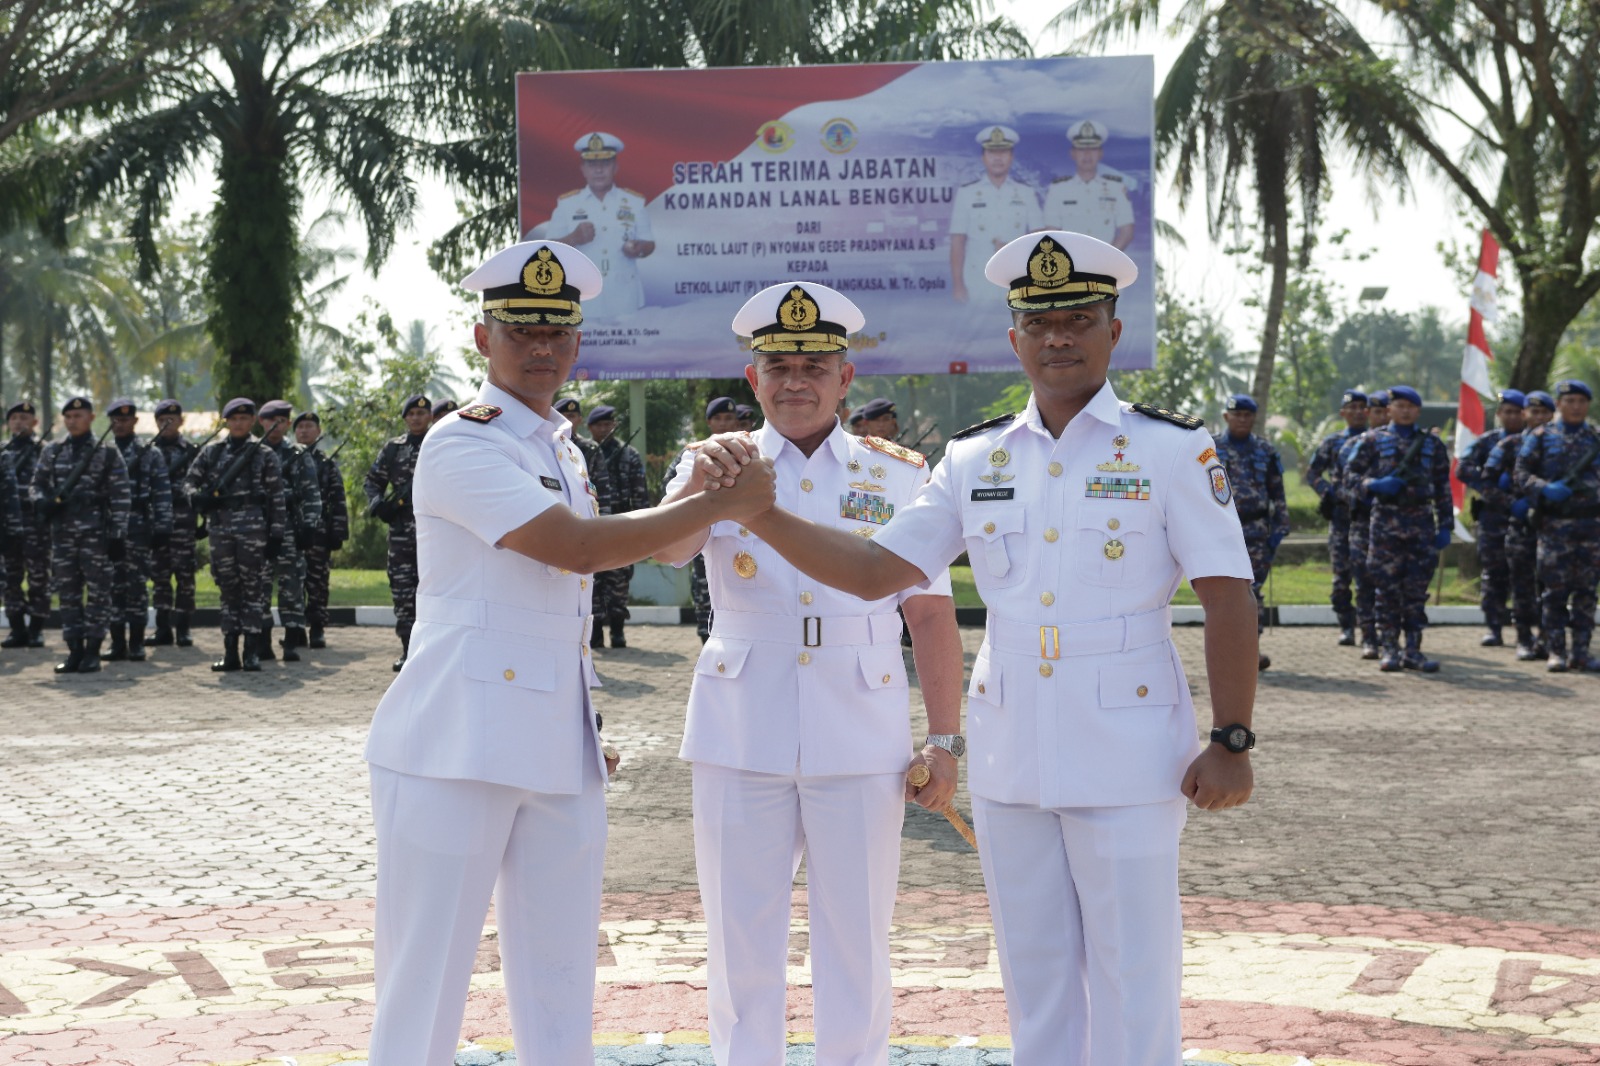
(480, 412)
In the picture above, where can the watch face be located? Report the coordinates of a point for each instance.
(959, 748)
(1238, 739)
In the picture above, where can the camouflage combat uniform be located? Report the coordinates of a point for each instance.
(1256, 473)
(27, 556)
(629, 492)
(1359, 506)
(1569, 532)
(1324, 473)
(302, 495)
(246, 520)
(1492, 513)
(11, 528)
(1522, 550)
(394, 468)
(173, 564)
(330, 538)
(699, 587)
(86, 519)
(1401, 556)
(149, 527)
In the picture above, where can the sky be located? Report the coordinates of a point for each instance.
(1402, 238)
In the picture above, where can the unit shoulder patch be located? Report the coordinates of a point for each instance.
(1163, 415)
(899, 451)
(479, 412)
(981, 426)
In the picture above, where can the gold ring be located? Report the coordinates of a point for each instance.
(919, 775)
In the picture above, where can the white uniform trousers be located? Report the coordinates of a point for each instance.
(1089, 930)
(750, 830)
(443, 845)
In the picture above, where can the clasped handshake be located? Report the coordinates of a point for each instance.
(732, 466)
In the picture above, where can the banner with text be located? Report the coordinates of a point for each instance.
(873, 179)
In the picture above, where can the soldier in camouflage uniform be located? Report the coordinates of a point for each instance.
(1522, 540)
(1491, 512)
(1558, 470)
(629, 492)
(1256, 473)
(81, 488)
(335, 525)
(1360, 507)
(237, 485)
(388, 489)
(173, 563)
(1405, 470)
(442, 408)
(27, 556)
(11, 528)
(722, 416)
(302, 496)
(149, 528)
(599, 474)
(1324, 475)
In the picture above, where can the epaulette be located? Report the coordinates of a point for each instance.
(1164, 415)
(974, 181)
(479, 412)
(981, 426)
(1112, 177)
(1066, 177)
(635, 192)
(574, 192)
(899, 451)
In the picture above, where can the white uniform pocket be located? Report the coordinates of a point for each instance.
(526, 665)
(995, 544)
(883, 666)
(722, 657)
(1112, 543)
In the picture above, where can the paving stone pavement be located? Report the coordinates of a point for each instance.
(186, 870)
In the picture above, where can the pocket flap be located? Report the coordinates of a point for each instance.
(722, 657)
(988, 525)
(1130, 516)
(985, 683)
(1139, 684)
(730, 529)
(499, 662)
(882, 666)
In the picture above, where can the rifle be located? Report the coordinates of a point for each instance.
(211, 501)
(172, 467)
(1537, 512)
(925, 434)
(611, 467)
(55, 506)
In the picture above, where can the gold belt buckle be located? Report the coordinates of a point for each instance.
(812, 631)
(1049, 642)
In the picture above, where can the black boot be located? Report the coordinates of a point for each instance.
(1525, 648)
(1492, 639)
(1347, 637)
(91, 657)
(250, 659)
(36, 632)
(1262, 662)
(19, 630)
(136, 643)
(317, 640)
(180, 629)
(162, 637)
(597, 639)
(405, 650)
(230, 654)
(1413, 659)
(617, 639)
(74, 657)
(119, 644)
(293, 637)
(263, 643)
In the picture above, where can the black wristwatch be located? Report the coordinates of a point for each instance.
(1236, 738)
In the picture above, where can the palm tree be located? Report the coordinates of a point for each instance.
(275, 107)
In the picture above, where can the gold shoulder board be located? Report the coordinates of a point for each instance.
(900, 452)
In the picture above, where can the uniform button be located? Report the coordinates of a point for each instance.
(1142, 691)
(805, 597)
(511, 675)
(583, 583)
(1045, 669)
(722, 668)
(743, 532)
(805, 484)
(1055, 469)
(885, 679)
(1113, 524)
(981, 689)
(988, 527)
(805, 657)
(564, 571)
(1050, 536)
(1047, 598)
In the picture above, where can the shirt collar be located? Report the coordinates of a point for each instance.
(772, 443)
(520, 418)
(1103, 406)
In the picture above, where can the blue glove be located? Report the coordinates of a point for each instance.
(1275, 540)
(1386, 486)
(1519, 509)
(1504, 482)
(1556, 492)
(1442, 540)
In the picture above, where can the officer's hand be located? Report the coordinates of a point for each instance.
(160, 540)
(1385, 486)
(1276, 539)
(1504, 482)
(613, 759)
(274, 547)
(1219, 779)
(583, 234)
(958, 291)
(1520, 508)
(1441, 540)
(116, 550)
(718, 461)
(1556, 492)
(941, 787)
(305, 539)
(754, 492)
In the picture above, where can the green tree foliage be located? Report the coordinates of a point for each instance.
(1195, 367)
(1376, 349)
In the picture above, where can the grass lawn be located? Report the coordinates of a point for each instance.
(346, 588)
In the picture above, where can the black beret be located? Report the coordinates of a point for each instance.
(603, 413)
(276, 409)
(169, 407)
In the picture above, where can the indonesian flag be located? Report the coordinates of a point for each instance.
(1475, 367)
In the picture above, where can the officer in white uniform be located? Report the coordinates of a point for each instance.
(1094, 199)
(798, 724)
(487, 768)
(1081, 515)
(609, 223)
(989, 212)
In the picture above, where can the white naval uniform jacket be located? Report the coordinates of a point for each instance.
(988, 214)
(1077, 698)
(496, 683)
(797, 677)
(1098, 207)
(620, 216)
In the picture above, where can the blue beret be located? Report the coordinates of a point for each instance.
(78, 403)
(722, 405)
(1240, 402)
(1573, 387)
(1514, 397)
(1405, 392)
(1378, 398)
(122, 406)
(1353, 396)
(169, 407)
(568, 406)
(415, 402)
(1540, 398)
(239, 405)
(603, 413)
(21, 407)
(745, 412)
(877, 408)
(276, 409)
